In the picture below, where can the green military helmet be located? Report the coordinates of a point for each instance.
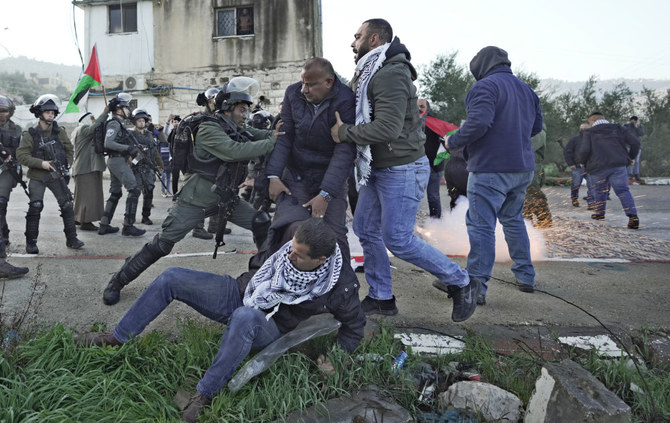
(8, 103)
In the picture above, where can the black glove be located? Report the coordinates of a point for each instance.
(133, 151)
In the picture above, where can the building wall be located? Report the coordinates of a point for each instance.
(125, 54)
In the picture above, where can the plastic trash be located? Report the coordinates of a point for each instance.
(313, 327)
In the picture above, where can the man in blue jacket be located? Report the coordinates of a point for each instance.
(503, 113)
(306, 164)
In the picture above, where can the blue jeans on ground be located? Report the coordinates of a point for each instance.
(498, 196)
(617, 178)
(433, 194)
(385, 218)
(214, 296)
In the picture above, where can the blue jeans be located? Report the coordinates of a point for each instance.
(385, 218)
(214, 296)
(498, 196)
(166, 177)
(634, 170)
(617, 178)
(578, 175)
(433, 194)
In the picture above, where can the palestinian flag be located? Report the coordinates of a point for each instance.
(91, 78)
(443, 129)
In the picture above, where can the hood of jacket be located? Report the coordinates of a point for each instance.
(488, 58)
(398, 53)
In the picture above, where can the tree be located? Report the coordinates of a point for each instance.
(445, 84)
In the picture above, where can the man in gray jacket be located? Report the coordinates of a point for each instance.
(89, 200)
(394, 169)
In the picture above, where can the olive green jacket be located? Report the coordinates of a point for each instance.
(24, 154)
(212, 141)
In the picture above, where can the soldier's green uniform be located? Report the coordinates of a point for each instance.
(10, 136)
(214, 148)
(144, 175)
(47, 142)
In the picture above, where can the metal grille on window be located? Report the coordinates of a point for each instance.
(225, 22)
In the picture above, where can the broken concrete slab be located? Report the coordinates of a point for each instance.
(603, 344)
(423, 343)
(659, 349)
(369, 405)
(492, 402)
(566, 392)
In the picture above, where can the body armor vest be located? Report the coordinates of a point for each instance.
(209, 168)
(9, 137)
(48, 148)
(146, 140)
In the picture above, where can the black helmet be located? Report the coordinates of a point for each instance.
(240, 89)
(6, 102)
(204, 97)
(140, 114)
(45, 103)
(261, 120)
(120, 101)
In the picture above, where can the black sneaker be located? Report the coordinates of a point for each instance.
(7, 271)
(74, 243)
(524, 287)
(481, 299)
(107, 229)
(131, 230)
(31, 248)
(633, 222)
(372, 306)
(596, 216)
(465, 300)
(147, 221)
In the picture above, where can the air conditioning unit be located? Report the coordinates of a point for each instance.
(134, 83)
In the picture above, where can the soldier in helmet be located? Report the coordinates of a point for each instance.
(146, 178)
(10, 135)
(223, 145)
(47, 151)
(120, 147)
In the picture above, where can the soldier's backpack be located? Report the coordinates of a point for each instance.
(99, 138)
(181, 140)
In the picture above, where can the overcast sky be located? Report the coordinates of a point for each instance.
(568, 39)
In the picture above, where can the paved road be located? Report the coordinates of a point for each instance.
(66, 285)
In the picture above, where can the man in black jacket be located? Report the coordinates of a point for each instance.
(305, 277)
(607, 148)
(578, 172)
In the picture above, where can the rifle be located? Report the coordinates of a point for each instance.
(61, 172)
(11, 166)
(228, 200)
(142, 160)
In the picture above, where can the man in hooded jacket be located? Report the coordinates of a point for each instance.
(503, 113)
(392, 163)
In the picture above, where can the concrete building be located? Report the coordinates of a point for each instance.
(166, 51)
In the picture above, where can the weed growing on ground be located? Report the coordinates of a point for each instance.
(47, 378)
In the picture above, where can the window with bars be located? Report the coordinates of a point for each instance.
(122, 18)
(234, 22)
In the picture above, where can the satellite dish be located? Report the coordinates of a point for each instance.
(131, 82)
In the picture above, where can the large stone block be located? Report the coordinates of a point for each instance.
(566, 392)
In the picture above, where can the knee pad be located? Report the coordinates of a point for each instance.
(161, 246)
(115, 196)
(36, 205)
(66, 205)
(134, 193)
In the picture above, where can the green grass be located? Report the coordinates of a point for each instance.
(48, 379)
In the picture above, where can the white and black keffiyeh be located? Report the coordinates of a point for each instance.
(279, 282)
(367, 66)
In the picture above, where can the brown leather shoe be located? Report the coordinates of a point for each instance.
(195, 407)
(96, 338)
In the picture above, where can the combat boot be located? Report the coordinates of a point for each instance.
(69, 227)
(112, 292)
(202, 233)
(107, 229)
(31, 246)
(7, 271)
(74, 243)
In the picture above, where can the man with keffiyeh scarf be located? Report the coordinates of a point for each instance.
(394, 169)
(305, 277)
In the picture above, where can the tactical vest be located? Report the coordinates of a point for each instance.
(48, 148)
(146, 140)
(209, 168)
(125, 135)
(9, 137)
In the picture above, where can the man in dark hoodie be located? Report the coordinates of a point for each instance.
(503, 113)
(394, 172)
(606, 149)
(306, 164)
